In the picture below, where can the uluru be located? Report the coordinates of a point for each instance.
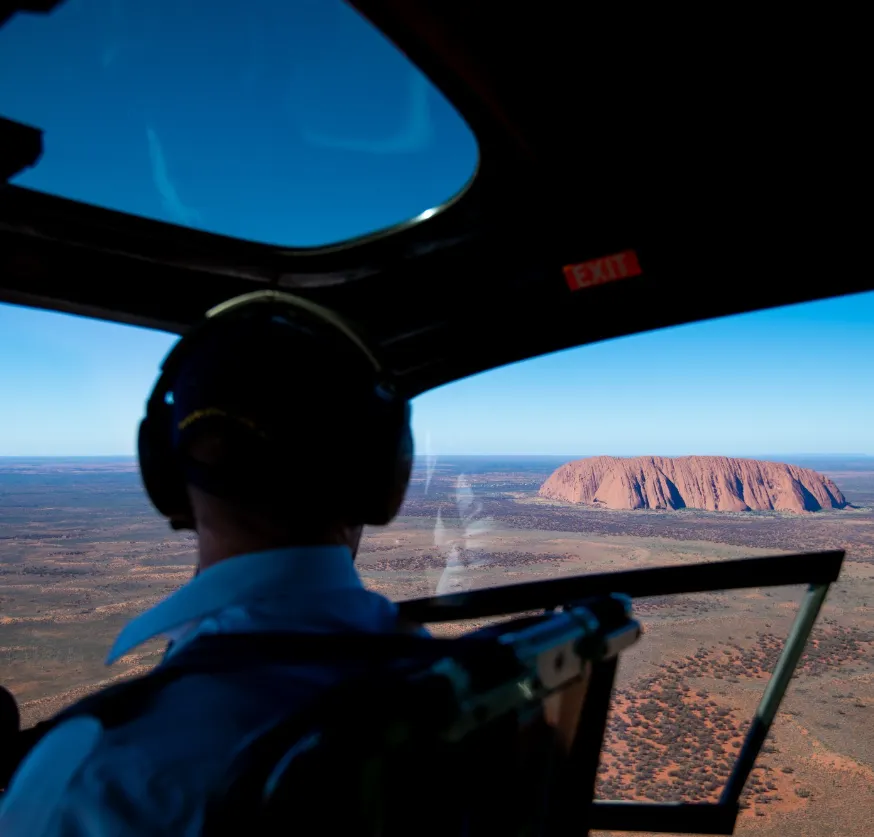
(712, 483)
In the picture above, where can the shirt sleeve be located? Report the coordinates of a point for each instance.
(121, 796)
(40, 785)
(71, 787)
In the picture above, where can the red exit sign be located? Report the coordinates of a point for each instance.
(603, 270)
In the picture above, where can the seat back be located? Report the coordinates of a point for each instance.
(370, 759)
(472, 741)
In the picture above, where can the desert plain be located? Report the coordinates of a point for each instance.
(82, 552)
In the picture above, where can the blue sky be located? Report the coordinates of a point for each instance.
(298, 124)
(788, 381)
(792, 380)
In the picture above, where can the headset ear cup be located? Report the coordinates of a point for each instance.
(161, 478)
(388, 466)
(151, 466)
(403, 467)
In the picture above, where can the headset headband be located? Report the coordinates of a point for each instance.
(169, 369)
(293, 301)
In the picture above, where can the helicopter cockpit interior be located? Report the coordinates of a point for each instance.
(478, 185)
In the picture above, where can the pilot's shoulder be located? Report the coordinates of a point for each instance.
(81, 780)
(46, 775)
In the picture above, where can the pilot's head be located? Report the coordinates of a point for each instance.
(274, 425)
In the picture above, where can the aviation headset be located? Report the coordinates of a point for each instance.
(383, 437)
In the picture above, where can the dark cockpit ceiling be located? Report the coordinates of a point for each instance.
(715, 147)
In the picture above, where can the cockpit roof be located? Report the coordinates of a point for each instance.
(633, 173)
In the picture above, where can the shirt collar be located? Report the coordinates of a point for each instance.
(235, 581)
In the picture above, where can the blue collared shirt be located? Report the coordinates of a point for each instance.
(151, 776)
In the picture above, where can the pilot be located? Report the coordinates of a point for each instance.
(274, 433)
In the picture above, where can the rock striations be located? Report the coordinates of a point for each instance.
(715, 483)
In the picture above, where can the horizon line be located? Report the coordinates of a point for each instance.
(130, 456)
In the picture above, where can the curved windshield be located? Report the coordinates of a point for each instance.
(734, 438)
(295, 124)
(738, 437)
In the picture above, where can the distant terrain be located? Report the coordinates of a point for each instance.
(709, 483)
(81, 552)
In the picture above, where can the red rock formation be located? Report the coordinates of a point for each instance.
(715, 483)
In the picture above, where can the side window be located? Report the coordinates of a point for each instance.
(81, 549)
(738, 437)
